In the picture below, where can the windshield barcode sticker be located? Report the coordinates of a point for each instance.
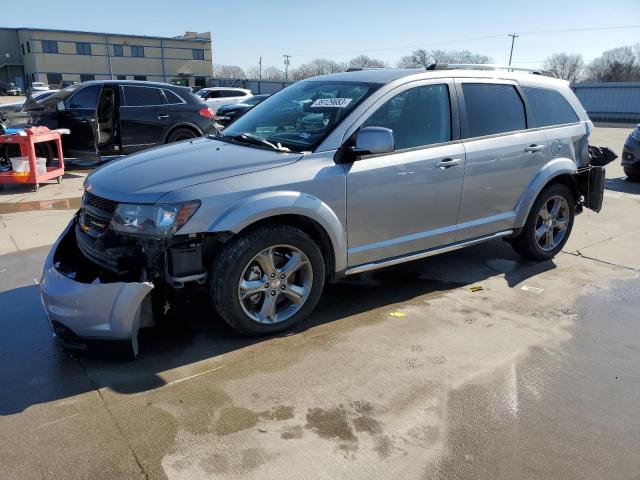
(331, 102)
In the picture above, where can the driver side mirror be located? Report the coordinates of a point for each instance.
(60, 106)
(374, 140)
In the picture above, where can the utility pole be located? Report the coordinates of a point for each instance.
(287, 62)
(513, 39)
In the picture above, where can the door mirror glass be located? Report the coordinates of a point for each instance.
(374, 140)
(60, 106)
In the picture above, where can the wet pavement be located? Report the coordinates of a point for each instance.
(472, 364)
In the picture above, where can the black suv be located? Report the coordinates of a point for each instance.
(111, 117)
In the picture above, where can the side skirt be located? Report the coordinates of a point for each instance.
(425, 253)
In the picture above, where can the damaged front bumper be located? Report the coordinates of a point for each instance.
(80, 311)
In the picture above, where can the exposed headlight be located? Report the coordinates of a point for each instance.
(153, 219)
(636, 133)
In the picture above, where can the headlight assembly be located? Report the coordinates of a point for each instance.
(153, 219)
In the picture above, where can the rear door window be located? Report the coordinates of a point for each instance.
(549, 107)
(172, 98)
(143, 96)
(492, 109)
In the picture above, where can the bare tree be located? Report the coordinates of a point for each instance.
(318, 66)
(423, 58)
(253, 73)
(272, 73)
(568, 66)
(228, 71)
(617, 65)
(363, 61)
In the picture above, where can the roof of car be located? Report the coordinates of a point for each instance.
(225, 88)
(386, 75)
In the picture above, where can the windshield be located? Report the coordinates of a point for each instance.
(201, 93)
(51, 101)
(256, 99)
(302, 115)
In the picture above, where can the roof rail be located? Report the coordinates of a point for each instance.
(360, 69)
(489, 66)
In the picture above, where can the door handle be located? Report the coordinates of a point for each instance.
(162, 117)
(448, 163)
(534, 148)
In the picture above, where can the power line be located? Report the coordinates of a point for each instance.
(464, 40)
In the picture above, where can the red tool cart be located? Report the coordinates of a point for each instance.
(27, 142)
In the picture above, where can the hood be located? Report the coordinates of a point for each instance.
(146, 176)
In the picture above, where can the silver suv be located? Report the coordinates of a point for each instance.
(332, 176)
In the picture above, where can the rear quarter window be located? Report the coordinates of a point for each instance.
(549, 107)
(492, 109)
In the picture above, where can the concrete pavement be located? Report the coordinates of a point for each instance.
(406, 372)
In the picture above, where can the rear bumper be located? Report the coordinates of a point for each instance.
(94, 311)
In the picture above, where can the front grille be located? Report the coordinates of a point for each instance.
(96, 214)
(103, 204)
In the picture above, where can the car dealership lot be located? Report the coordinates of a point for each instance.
(471, 364)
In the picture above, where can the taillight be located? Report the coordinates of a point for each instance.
(206, 112)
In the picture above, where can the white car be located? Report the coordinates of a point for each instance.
(38, 87)
(215, 97)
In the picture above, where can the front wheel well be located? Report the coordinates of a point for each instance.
(308, 226)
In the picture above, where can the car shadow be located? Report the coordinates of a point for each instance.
(34, 370)
(622, 185)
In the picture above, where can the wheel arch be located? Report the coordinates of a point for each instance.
(299, 210)
(560, 170)
(190, 126)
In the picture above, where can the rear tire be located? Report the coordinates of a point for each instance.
(548, 225)
(277, 265)
(632, 175)
(181, 134)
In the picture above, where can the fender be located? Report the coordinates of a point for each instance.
(268, 204)
(553, 169)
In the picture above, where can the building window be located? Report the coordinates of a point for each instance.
(83, 48)
(118, 51)
(198, 54)
(200, 82)
(28, 47)
(141, 78)
(121, 77)
(85, 77)
(54, 78)
(137, 51)
(49, 46)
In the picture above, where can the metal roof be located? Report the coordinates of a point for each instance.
(179, 38)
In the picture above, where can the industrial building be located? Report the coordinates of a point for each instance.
(40, 55)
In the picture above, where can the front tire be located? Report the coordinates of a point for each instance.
(267, 280)
(548, 225)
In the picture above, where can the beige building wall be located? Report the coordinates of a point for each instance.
(164, 58)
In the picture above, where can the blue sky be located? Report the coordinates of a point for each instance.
(340, 29)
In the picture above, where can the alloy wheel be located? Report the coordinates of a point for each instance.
(552, 223)
(275, 284)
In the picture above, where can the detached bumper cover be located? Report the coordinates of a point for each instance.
(91, 310)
